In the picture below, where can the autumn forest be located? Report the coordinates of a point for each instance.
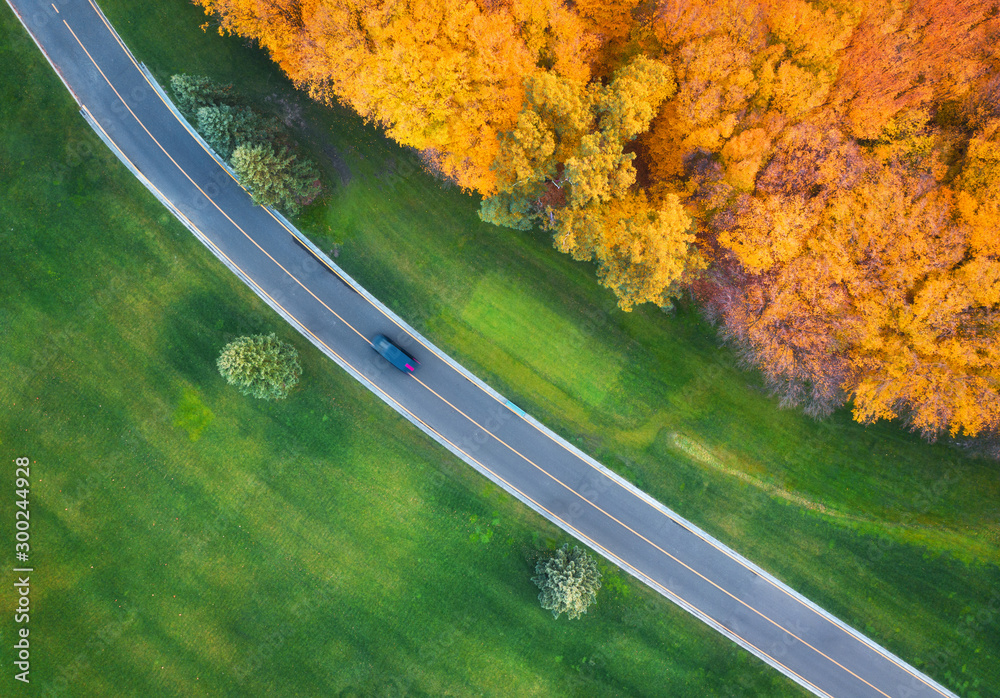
(822, 177)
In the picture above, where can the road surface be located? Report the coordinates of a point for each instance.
(628, 527)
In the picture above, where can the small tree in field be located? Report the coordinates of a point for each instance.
(260, 365)
(569, 581)
(275, 178)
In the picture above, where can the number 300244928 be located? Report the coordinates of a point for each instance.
(21, 490)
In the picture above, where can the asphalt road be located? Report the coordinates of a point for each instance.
(681, 562)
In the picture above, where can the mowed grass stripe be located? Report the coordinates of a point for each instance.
(560, 354)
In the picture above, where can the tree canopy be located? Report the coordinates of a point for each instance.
(261, 366)
(260, 150)
(824, 177)
(569, 581)
(192, 92)
(275, 177)
(226, 128)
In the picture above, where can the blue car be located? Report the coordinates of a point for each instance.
(394, 355)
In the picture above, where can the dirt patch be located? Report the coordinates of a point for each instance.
(336, 160)
(289, 112)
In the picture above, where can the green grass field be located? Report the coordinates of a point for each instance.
(190, 541)
(900, 539)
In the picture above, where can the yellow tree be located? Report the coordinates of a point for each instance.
(439, 74)
(919, 329)
(600, 171)
(715, 84)
(811, 158)
(561, 38)
(768, 231)
(678, 22)
(634, 96)
(744, 153)
(278, 25)
(572, 139)
(978, 184)
(908, 55)
(647, 252)
(878, 295)
(612, 22)
(574, 135)
(526, 152)
(557, 113)
(814, 33)
(642, 252)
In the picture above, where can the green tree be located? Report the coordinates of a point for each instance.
(192, 92)
(226, 128)
(276, 178)
(569, 581)
(507, 210)
(260, 365)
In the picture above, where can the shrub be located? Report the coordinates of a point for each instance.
(569, 581)
(507, 211)
(260, 365)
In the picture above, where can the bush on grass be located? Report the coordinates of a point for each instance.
(569, 581)
(261, 365)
